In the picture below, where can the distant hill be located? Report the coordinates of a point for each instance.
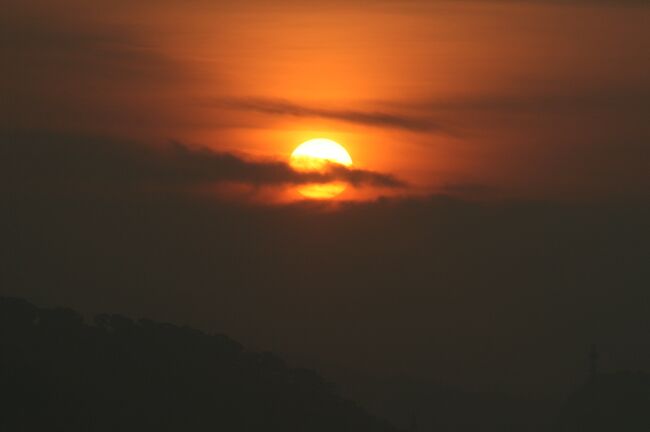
(58, 373)
(432, 406)
(609, 402)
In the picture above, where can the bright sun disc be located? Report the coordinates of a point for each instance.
(314, 155)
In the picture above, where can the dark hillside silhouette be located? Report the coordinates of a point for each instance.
(61, 374)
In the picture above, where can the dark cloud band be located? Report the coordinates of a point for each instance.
(61, 161)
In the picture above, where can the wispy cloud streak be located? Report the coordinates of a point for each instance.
(381, 119)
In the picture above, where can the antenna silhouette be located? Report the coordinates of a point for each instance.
(414, 421)
(594, 356)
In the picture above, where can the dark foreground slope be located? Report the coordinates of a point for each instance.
(58, 373)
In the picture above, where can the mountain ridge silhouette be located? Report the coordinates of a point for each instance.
(61, 373)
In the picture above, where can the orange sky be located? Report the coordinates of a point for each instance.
(513, 136)
(526, 99)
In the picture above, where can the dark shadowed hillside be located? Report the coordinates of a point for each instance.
(61, 374)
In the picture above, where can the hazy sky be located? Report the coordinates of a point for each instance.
(497, 218)
(518, 98)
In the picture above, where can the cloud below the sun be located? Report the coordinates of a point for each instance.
(59, 161)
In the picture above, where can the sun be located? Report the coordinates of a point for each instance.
(314, 155)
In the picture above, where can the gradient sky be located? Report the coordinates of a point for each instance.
(497, 218)
(518, 98)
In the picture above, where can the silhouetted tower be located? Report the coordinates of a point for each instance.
(414, 422)
(593, 361)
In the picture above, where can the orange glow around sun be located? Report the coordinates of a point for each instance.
(314, 155)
